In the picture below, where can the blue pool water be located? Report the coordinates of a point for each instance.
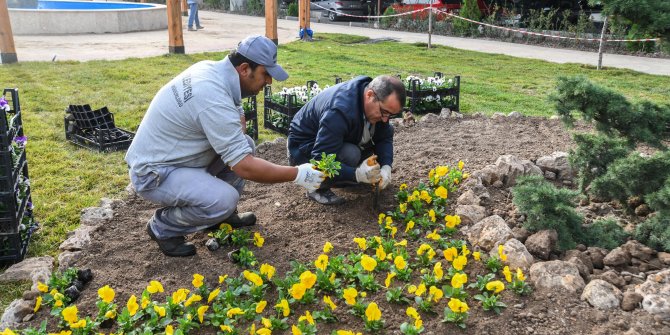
(88, 5)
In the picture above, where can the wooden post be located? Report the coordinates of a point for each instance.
(184, 8)
(175, 33)
(303, 17)
(602, 44)
(271, 20)
(7, 50)
(430, 25)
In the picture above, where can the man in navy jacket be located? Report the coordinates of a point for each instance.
(351, 120)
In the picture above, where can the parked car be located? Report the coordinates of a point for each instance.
(351, 7)
(444, 5)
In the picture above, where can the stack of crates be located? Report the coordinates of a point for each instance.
(251, 115)
(95, 129)
(16, 216)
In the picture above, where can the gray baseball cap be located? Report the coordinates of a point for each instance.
(263, 51)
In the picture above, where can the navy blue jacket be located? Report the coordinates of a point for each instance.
(332, 118)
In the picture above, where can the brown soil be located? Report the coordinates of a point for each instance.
(123, 256)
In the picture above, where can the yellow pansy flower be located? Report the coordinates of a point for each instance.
(441, 171)
(110, 314)
(425, 196)
(436, 293)
(349, 295)
(266, 322)
(394, 230)
(307, 317)
(258, 240)
(201, 313)
(321, 262)
(42, 287)
(380, 253)
(179, 295)
(234, 311)
(226, 228)
(195, 298)
(297, 291)
(268, 270)
(507, 273)
(252, 329)
(368, 263)
(437, 271)
(38, 303)
(400, 262)
(420, 290)
(433, 235)
(253, 278)
(260, 306)
(460, 165)
(402, 243)
(295, 330)
(328, 301)
(431, 214)
(362, 243)
(403, 186)
(441, 192)
(412, 313)
(212, 295)
(380, 218)
(155, 287)
(327, 247)
(477, 255)
(452, 221)
(458, 280)
(58, 303)
(450, 253)
(223, 278)
(70, 314)
(226, 328)
(501, 253)
(423, 248)
(519, 275)
(132, 305)
(197, 280)
(264, 331)
(169, 330)
(145, 302)
(160, 310)
(7, 331)
(389, 277)
(308, 279)
(410, 225)
(457, 306)
(79, 324)
(403, 207)
(283, 305)
(331, 279)
(496, 286)
(460, 262)
(372, 312)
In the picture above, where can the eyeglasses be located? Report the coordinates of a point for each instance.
(383, 111)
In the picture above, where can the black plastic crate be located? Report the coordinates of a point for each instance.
(11, 167)
(251, 116)
(12, 209)
(10, 122)
(13, 246)
(95, 129)
(450, 97)
(277, 116)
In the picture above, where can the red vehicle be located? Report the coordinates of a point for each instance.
(444, 5)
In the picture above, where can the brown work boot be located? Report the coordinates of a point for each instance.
(172, 246)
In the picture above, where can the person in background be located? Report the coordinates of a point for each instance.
(350, 120)
(190, 154)
(193, 14)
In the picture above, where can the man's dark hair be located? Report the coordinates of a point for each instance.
(237, 59)
(383, 86)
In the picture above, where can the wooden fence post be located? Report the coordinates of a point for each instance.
(271, 20)
(175, 33)
(7, 50)
(303, 18)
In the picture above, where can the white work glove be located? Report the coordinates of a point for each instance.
(368, 174)
(308, 177)
(386, 177)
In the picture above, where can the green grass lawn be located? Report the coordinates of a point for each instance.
(65, 178)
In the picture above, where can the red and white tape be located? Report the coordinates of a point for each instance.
(539, 34)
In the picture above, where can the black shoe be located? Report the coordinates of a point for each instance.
(325, 197)
(200, 27)
(239, 220)
(192, 29)
(173, 246)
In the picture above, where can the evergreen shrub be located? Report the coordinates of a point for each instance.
(604, 233)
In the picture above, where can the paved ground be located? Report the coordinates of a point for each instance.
(223, 31)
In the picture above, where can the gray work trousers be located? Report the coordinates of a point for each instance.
(193, 198)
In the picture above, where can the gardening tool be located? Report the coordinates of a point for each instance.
(372, 160)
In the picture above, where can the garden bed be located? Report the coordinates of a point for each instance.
(122, 255)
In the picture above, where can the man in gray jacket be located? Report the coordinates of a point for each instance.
(190, 154)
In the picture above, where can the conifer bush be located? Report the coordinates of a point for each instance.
(469, 10)
(605, 233)
(548, 207)
(655, 231)
(593, 155)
